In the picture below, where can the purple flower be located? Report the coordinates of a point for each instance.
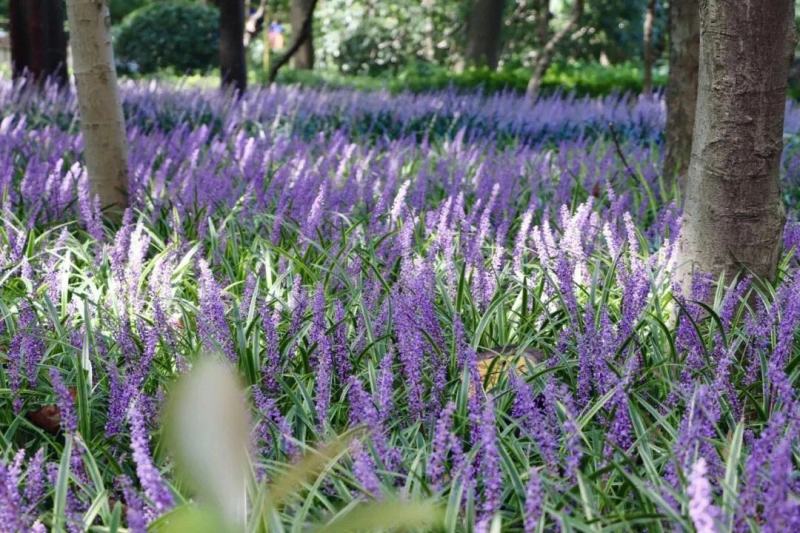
(324, 359)
(118, 400)
(154, 487)
(440, 447)
(135, 509)
(211, 323)
(364, 470)
(35, 482)
(534, 498)
(271, 368)
(701, 508)
(490, 470)
(385, 399)
(11, 507)
(66, 405)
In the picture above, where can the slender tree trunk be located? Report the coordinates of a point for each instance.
(38, 39)
(102, 121)
(647, 46)
(301, 15)
(545, 55)
(733, 218)
(232, 63)
(483, 32)
(303, 34)
(684, 58)
(542, 22)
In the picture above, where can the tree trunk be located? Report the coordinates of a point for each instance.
(733, 219)
(38, 40)
(302, 35)
(545, 55)
(102, 121)
(647, 46)
(684, 58)
(542, 15)
(301, 11)
(232, 63)
(483, 33)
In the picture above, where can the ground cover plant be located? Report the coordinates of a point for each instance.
(480, 284)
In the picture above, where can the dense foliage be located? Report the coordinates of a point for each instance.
(581, 79)
(482, 283)
(180, 36)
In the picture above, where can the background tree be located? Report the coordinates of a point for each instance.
(99, 107)
(647, 46)
(303, 34)
(545, 55)
(733, 218)
(38, 39)
(302, 20)
(684, 58)
(232, 61)
(484, 29)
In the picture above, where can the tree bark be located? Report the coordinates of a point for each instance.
(303, 34)
(38, 40)
(681, 98)
(542, 15)
(545, 55)
(483, 33)
(99, 106)
(302, 12)
(733, 218)
(647, 47)
(232, 63)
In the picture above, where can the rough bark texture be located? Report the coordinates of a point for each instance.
(545, 55)
(647, 46)
(232, 64)
(302, 11)
(684, 59)
(733, 218)
(38, 39)
(102, 121)
(483, 32)
(303, 35)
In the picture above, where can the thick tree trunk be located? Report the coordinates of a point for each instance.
(684, 58)
(99, 106)
(38, 40)
(734, 217)
(301, 15)
(545, 55)
(232, 63)
(483, 33)
(647, 46)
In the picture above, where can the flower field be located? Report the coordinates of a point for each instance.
(478, 283)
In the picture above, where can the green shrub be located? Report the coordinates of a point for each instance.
(183, 37)
(582, 79)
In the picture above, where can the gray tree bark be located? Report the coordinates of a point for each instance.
(483, 33)
(647, 46)
(232, 62)
(38, 40)
(684, 60)
(99, 107)
(733, 218)
(304, 56)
